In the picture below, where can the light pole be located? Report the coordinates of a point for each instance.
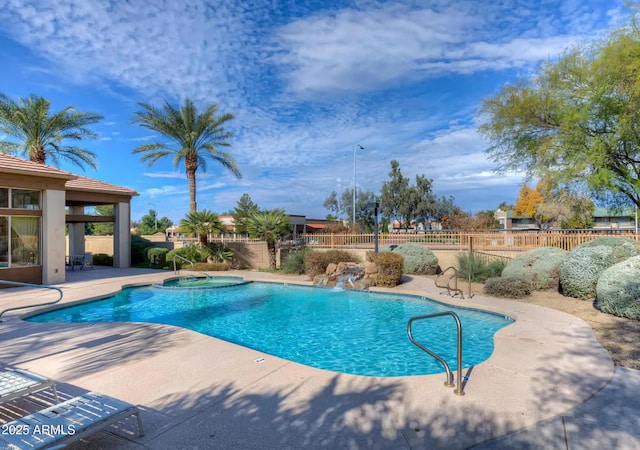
(358, 146)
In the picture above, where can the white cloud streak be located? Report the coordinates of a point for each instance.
(306, 84)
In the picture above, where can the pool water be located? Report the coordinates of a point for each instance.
(353, 332)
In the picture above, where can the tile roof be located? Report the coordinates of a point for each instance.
(85, 184)
(12, 164)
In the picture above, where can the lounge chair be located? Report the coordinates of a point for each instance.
(87, 260)
(16, 383)
(69, 421)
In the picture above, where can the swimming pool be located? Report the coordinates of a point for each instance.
(355, 332)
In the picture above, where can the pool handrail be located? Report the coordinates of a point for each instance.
(449, 375)
(182, 258)
(43, 286)
(447, 286)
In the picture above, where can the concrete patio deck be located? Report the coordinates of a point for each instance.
(548, 384)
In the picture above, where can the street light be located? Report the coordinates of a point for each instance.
(358, 146)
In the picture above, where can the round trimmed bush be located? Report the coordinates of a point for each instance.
(507, 287)
(160, 254)
(539, 267)
(417, 258)
(102, 259)
(389, 269)
(618, 289)
(580, 270)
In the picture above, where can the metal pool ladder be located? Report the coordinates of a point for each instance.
(449, 381)
(454, 278)
(17, 283)
(182, 258)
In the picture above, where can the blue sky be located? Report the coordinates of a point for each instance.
(306, 80)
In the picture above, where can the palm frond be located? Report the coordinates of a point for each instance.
(193, 137)
(40, 132)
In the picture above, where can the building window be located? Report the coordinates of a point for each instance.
(25, 199)
(4, 198)
(19, 234)
(25, 241)
(4, 242)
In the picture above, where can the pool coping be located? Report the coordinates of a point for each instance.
(543, 365)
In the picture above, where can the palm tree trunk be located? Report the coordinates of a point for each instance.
(38, 155)
(271, 248)
(191, 176)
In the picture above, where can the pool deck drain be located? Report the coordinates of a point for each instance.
(548, 384)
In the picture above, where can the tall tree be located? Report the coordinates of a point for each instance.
(195, 138)
(270, 226)
(426, 210)
(527, 201)
(244, 209)
(398, 200)
(343, 205)
(445, 207)
(486, 220)
(102, 228)
(549, 206)
(577, 121)
(40, 133)
(202, 223)
(151, 224)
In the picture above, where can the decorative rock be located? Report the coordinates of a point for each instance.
(370, 268)
(343, 275)
(331, 268)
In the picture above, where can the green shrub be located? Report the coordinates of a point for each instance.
(315, 263)
(102, 259)
(540, 267)
(160, 254)
(390, 268)
(417, 258)
(218, 252)
(193, 253)
(370, 256)
(507, 287)
(580, 270)
(211, 267)
(294, 261)
(138, 247)
(618, 289)
(480, 270)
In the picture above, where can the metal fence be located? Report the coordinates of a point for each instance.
(485, 241)
(500, 241)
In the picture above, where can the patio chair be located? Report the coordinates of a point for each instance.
(16, 383)
(87, 260)
(67, 422)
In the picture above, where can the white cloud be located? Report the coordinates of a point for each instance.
(306, 84)
(361, 50)
(161, 174)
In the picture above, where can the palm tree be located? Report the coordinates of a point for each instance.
(202, 223)
(40, 134)
(195, 137)
(270, 226)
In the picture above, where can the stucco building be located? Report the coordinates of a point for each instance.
(36, 202)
